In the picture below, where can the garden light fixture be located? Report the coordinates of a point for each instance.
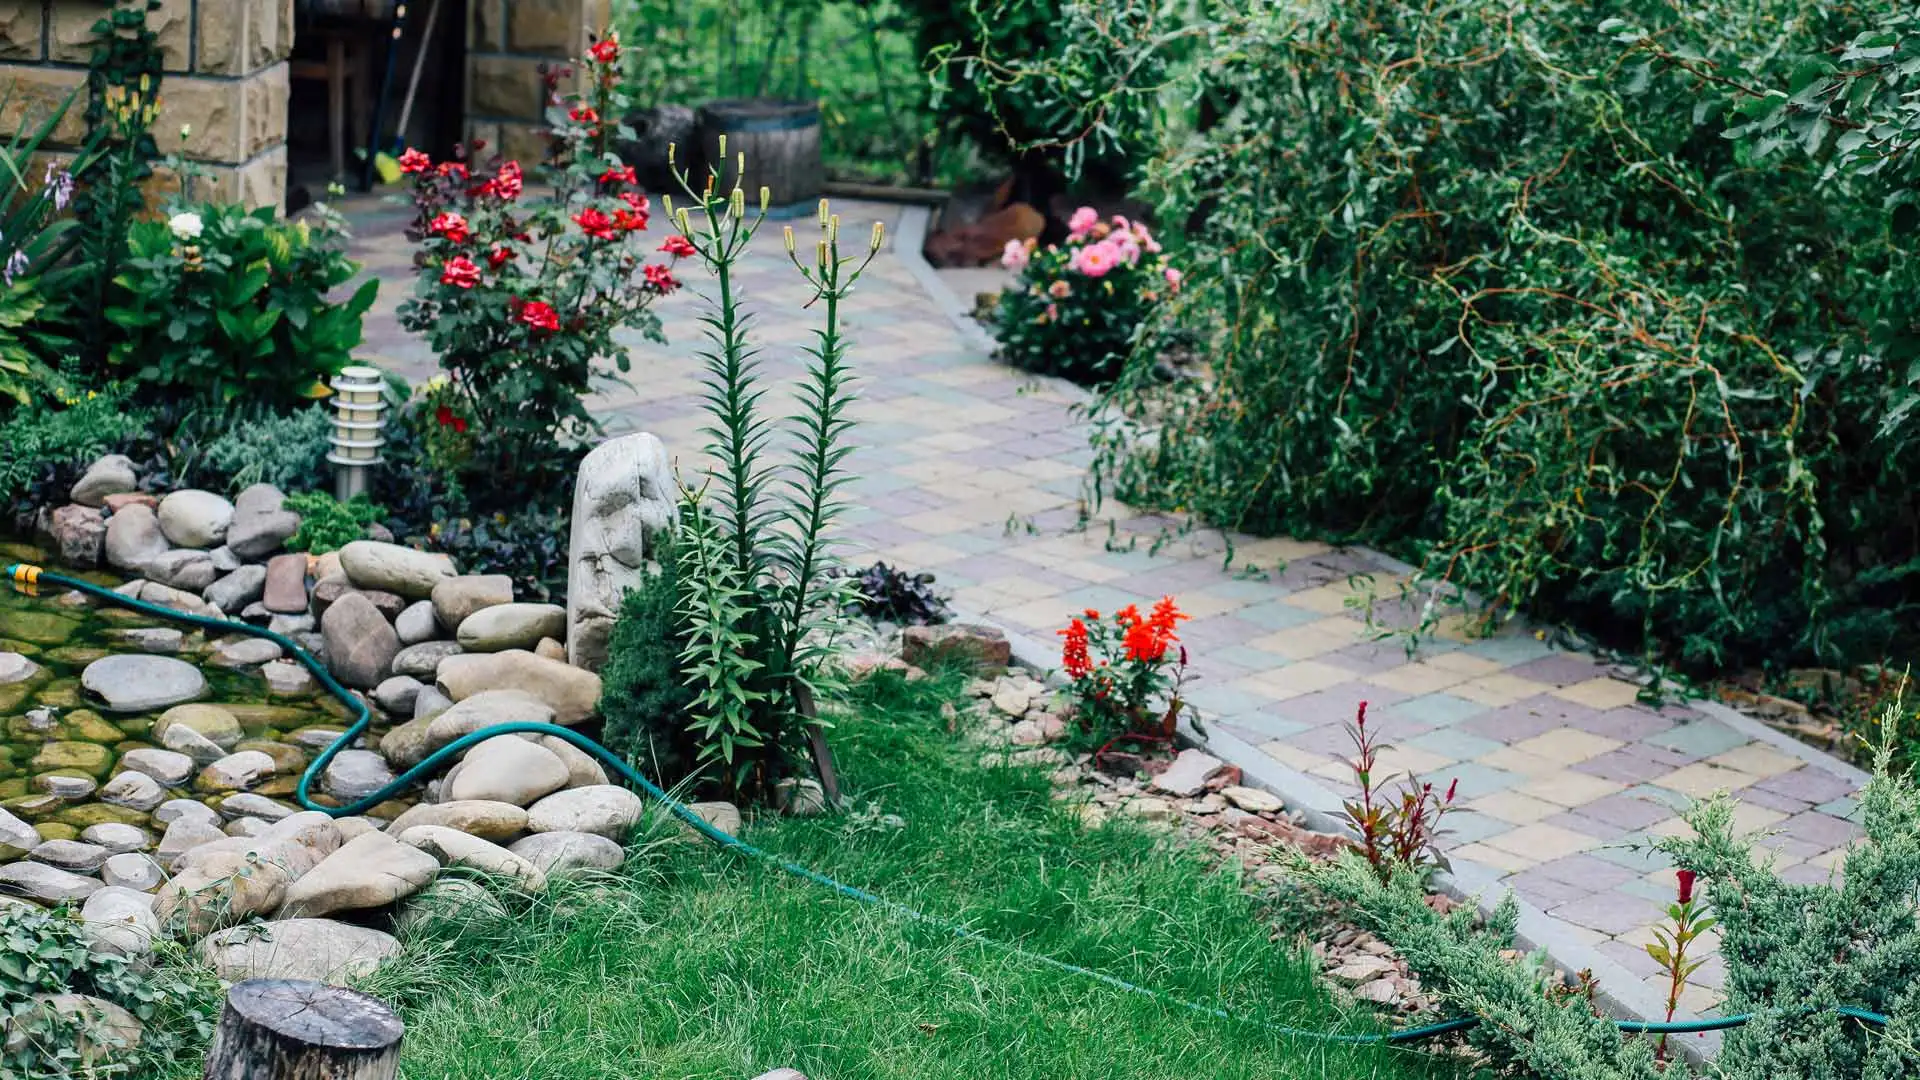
(359, 401)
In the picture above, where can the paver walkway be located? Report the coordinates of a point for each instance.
(973, 470)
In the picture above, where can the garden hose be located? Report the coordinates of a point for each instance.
(29, 578)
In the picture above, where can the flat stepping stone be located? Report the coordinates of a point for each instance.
(142, 683)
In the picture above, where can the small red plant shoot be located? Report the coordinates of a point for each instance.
(1127, 671)
(1400, 831)
(1669, 947)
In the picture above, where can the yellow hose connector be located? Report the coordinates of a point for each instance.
(24, 573)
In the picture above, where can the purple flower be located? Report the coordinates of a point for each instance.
(16, 265)
(60, 182)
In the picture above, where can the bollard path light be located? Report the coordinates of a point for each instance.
(359, 403)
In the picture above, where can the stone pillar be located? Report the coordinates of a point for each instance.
(507, 43)
(226, 77)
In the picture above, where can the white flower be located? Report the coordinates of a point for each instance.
(185, 226)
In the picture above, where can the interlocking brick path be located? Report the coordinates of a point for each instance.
(973, 470)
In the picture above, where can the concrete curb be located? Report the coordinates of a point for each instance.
(907, 247)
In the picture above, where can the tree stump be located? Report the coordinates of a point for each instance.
(290, 1029)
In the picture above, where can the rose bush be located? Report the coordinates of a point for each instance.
(520, 294)
(1076, 307)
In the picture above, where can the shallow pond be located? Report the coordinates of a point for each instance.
(59, 743)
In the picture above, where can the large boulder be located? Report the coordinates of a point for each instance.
(315, 950)
(369, 871)
(120, 920)
(133, 537)
(186, 569)
(261, 523)
(76, 534)
(495, 821)
(45, 884)
(191, 518)
(560, 852)
(141, 683)
(572, 693)
(360, 643)
(110, 475)
(511, 626)
(485, 709)
(370, 564)
(623, 499)
(456, 598)
(451, 847)
(604, 810)
(507, 769)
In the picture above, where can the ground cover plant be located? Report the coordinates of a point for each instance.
(1489, 284)
(696, 964)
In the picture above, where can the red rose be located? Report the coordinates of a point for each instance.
(678, 246)
(414, 161)
(623, 175)
(453, 169)
(499, 257)
(1686, 885)
(443, 416)
(659, 279)
(540, 315)
(594, 223)
(584, 114)
(508, 182)
(459, 426)
(636, 200)
(630, 220)
(450, 225)
(605, 51)
(460, 271)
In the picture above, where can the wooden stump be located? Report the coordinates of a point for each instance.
(290, 1029)
(781, 141)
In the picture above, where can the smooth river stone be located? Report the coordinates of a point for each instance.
(141, 683)
(511, 626)
(370, 564)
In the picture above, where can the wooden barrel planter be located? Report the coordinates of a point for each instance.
(781, 141)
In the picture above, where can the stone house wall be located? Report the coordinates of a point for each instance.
(508, 41)
(226, 76)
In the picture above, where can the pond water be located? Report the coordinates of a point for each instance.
(59, 743)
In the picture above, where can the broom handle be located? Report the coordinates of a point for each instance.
(413, 83)
(386, 90)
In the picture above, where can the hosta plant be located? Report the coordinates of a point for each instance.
(1075, 307)
(520, 293)
(761, 608)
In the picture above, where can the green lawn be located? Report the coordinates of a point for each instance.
(698, 964)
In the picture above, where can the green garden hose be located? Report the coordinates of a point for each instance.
(29, 578)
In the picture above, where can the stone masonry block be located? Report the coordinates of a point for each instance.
(232, 120)
(555, 28)
(38, 93)
(256, 183)
(238, 37)
(505, 87)
(487, 25)
(70, 36)
(21, 24)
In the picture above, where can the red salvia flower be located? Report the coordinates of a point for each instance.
(460, 271)
(595, 223)
(678, 246)
(540, 315)
(413, 161)
(1166, 616)
(1073, 655)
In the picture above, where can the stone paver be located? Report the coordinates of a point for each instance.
(972, 470)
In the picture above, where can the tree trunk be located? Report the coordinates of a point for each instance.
(288, 1029)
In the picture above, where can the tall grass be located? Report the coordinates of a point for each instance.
(695, 963)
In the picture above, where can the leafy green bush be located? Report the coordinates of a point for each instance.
(644, 699)
(327, 524)
(1528, 319)
(1075, 307)
(48, 952)
(34, 440)
(288, 451)
(217, 303)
